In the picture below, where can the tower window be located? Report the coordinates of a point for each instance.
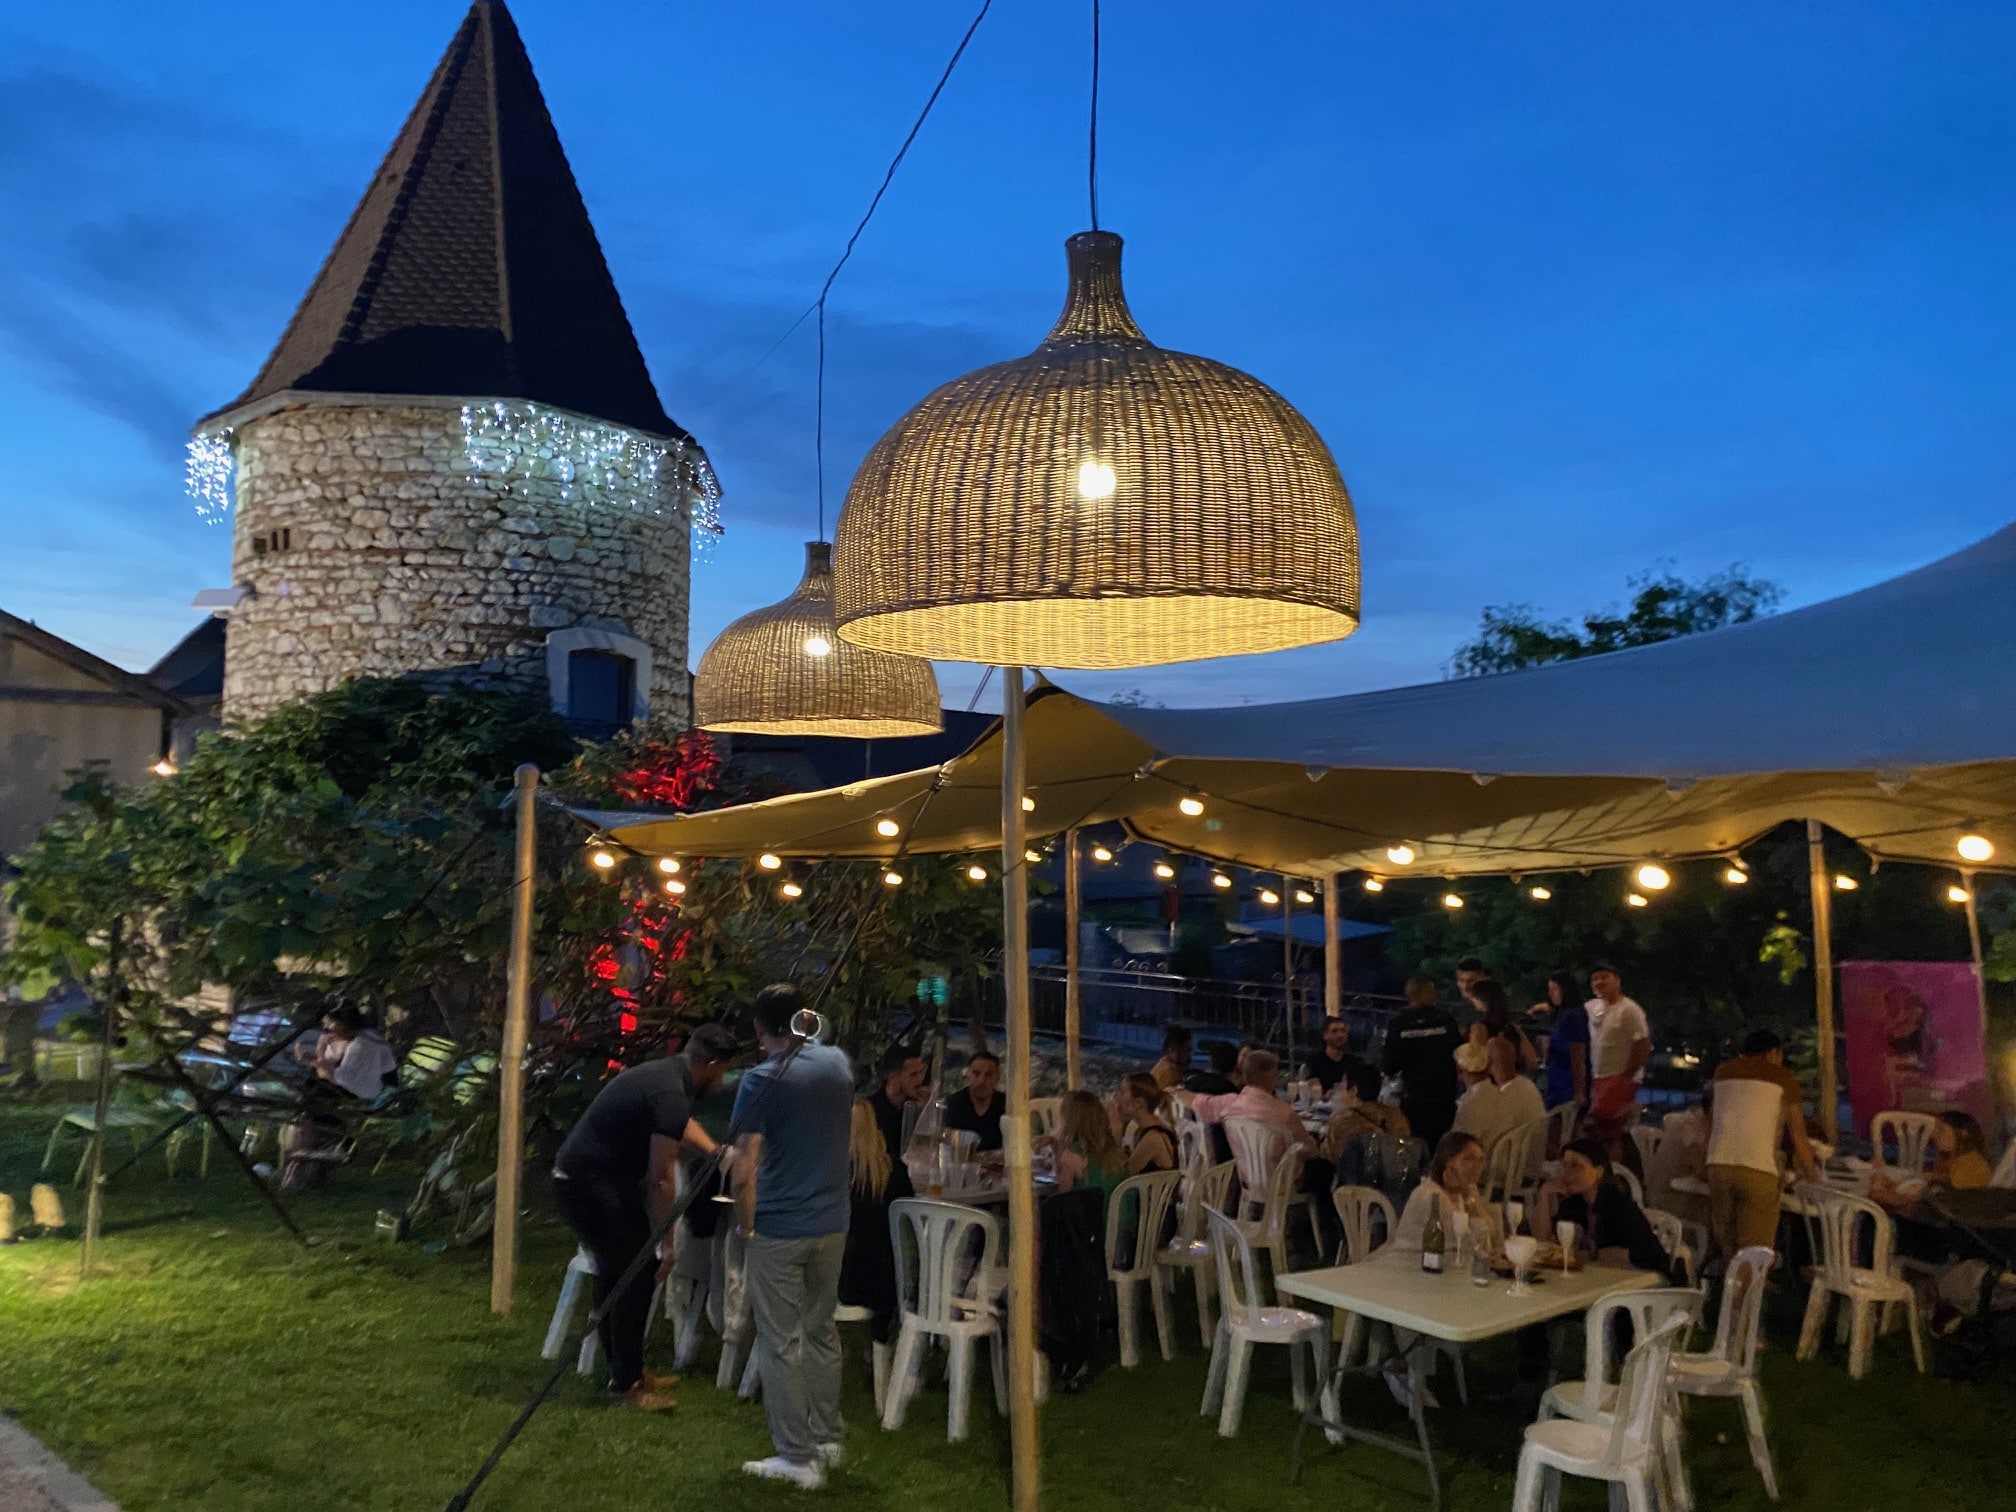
(601, 692)
(272, 542)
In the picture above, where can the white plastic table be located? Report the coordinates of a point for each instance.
(1391, 1288)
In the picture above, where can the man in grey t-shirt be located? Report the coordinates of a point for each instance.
(791, 1198)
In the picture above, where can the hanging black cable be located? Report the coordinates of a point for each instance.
(1092, 150)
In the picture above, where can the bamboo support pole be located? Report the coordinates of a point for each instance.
(1821, 886)
(1025, 1450)
(511, 1059)
(1073, 903)
(1333, 952)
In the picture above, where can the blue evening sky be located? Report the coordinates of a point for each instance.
(1571, 289)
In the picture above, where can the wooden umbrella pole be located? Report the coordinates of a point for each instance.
(1820, 885)
(1073, 901)
(108, 1012)
(1022, 1427)
(1333, 952)
(511, 1059)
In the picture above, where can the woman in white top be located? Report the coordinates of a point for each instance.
(1453, 1175)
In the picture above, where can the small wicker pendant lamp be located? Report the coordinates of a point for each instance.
(785, 670)
(1099, 503)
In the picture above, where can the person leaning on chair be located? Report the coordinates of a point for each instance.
(791, 1180)
(615, 1178)
(1758, 1106)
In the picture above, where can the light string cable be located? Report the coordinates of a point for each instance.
(1092, 145)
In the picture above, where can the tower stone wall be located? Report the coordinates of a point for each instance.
(396, 537)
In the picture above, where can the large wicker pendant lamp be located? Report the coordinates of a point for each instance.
(785, 670)
(1099, 503)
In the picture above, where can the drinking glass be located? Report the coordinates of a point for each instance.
(1568, 1236)
(1519, 1249)
(1459, 1233)
(1515, 1216)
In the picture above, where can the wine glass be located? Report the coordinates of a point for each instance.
(1567, 1235)
(1520, 1249)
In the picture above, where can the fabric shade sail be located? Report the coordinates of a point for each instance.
(1888, 715)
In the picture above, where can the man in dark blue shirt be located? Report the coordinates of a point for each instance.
(1421, 1050)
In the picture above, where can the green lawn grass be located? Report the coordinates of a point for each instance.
(214, 1363)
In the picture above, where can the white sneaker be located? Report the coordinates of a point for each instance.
(804, 1477)
(832, 1456)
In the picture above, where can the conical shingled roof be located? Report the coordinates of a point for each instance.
(470, 268)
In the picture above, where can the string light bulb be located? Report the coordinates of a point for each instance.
(1539, 894)
(976, 873)
(1101, 853)
(791, 890)
(1269, 897)
(1191, 806)
(817, 646)
(1845, 883)
(1373, 884)
(669, 865)
(675, 887)
(1636, 900)
(892, 879)
(1096, 480)
(1736, 876)
(1303, 895)
(165, 767)
(1956, 894)
(888, 829)
(1976, 848)
(1164, 870)
(1220, 881)
(1654, 878)
(769, 861)
(1452, 900)
(602, 860)
(1028, 804)
(1032, 856)
(1401, 854)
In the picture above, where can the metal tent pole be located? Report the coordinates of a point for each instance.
(511, 1059)
(1821, 888)
(1073, 903)
(1025, 1450)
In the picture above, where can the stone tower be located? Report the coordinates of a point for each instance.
(455, 461)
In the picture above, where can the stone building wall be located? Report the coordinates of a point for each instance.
(394, 538)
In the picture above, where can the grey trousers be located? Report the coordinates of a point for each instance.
(794, 1285)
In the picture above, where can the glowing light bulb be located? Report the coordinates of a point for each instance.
(892, 879)
(977, 873)
(769, 862)
(1735, 876)
(676, 888)
(1843, 883)
(1539, 894)
(791, 890)
(1400, 855)
(1269, 896)
(1976, 848)
(1191, 806)
(1373, 884)
(1220, 880)
(602, 859)
(1452, 900)
(669, 865)
(1956, 895)
(1096, 480)
(1028, 804)
(1303, 895)
(165, 767)
(889, 829)
(1164, 870)
(1032, 856)
(818, 645)
(1636, 900)
(1100, 853)
(1654, 878)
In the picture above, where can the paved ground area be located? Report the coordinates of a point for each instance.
(34, 1480)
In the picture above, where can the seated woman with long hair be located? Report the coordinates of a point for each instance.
(1138, 1106)
(1088, 1154)
(1587, 1194)
(1452, 1181)
(868, 1265)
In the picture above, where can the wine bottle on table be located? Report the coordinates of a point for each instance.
(1433, 1241)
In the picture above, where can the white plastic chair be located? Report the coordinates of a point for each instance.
(1204, 1191)
(944, 1294)
(1648, 1138)
(1730, 1368)
(1596, 1394)
(1838, 1217)
(1631, 1183)
(1280, 1198)
(1361, 1211)
(1623, 1448)
(1671, 1232)
(575, 1290)
(1045, 1113)
(1149, 1196)
(1910, 1132)
(1256, 1149)
(1561, 1121)
(1509, 1164)
(1193, 1142)
(1244, 1322)
(738, 1316)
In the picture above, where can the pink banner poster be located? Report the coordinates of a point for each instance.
(1914, 1039)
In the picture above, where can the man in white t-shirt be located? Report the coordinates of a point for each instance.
(1759, 1110)
(1620, 1041)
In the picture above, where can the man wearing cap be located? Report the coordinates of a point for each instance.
(614, 1180)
